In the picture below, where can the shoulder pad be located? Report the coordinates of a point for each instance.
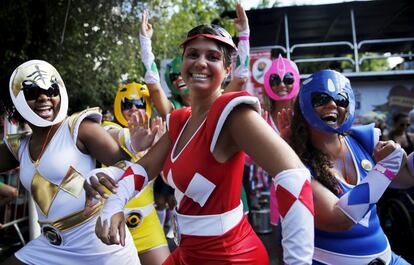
(13, 142)
(75, 119)
(366, 135)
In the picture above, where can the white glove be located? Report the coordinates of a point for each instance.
(132, 182)
(243, 55)
(115, 172)
(151, 72)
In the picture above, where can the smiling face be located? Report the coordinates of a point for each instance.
(45, 106)
(281, 87)
(38, 93)
(203, 65)
(282, 79)
(327, 101)
(130, 98)
(332, 114)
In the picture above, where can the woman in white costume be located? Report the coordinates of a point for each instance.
(54, 161)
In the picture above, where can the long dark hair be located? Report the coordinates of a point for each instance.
(317, 161)
(7, 108)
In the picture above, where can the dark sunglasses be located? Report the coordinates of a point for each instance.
(32, 91)
(174, 76)
(320, 99)
(404, 125)
(275, 80)
(128, 104)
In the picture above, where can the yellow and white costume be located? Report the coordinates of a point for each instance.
(141, 216)
(56, 184)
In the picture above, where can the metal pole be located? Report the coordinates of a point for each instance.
(354, 41)
(287, 37)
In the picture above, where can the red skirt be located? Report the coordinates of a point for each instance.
(240, 245)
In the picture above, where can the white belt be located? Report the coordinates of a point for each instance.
(329, 257)
(209, 225)
(143, 211)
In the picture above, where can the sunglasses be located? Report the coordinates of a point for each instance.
(32, 91)
(404, 125)
(320, 99)
(275, 80)
(174, 76)
(128, 104)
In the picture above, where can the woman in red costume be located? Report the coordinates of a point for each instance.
(202, 156)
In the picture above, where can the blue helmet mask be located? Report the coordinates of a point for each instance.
(319, 89)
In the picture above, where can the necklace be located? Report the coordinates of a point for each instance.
(36, 163)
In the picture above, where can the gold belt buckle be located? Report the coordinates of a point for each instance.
(52, 234)
(176, 229)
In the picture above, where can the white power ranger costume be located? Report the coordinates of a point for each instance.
(56, 183)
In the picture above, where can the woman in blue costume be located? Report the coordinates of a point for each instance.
(350, 169)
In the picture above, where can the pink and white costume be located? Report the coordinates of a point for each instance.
(210, 221)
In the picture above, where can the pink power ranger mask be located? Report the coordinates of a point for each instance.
(282, 70)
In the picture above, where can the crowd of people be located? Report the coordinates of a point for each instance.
(327, 175)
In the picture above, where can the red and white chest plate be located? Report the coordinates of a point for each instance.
(202, 185)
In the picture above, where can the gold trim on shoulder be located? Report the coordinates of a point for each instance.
(14, 141)
(44, 192)
(74, 117)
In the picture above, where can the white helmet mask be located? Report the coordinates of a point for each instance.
(43, 75)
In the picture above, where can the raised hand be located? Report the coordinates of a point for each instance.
(146, 28)
(142, 136)
(162, 128)
(241, 22)
(284, 119)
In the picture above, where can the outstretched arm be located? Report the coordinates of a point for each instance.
(246, 130)
(110, 226)
(241, 72)
(152, 79)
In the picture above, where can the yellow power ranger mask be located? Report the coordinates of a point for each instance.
(129, 95)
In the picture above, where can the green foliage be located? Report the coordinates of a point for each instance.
(97, 46)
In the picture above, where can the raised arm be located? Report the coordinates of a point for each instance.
(241, 72)
(152, 79)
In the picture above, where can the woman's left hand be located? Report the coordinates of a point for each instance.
(142, 136)
(284, 120)
(113, 233)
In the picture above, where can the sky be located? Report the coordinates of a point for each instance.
(247, 4)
